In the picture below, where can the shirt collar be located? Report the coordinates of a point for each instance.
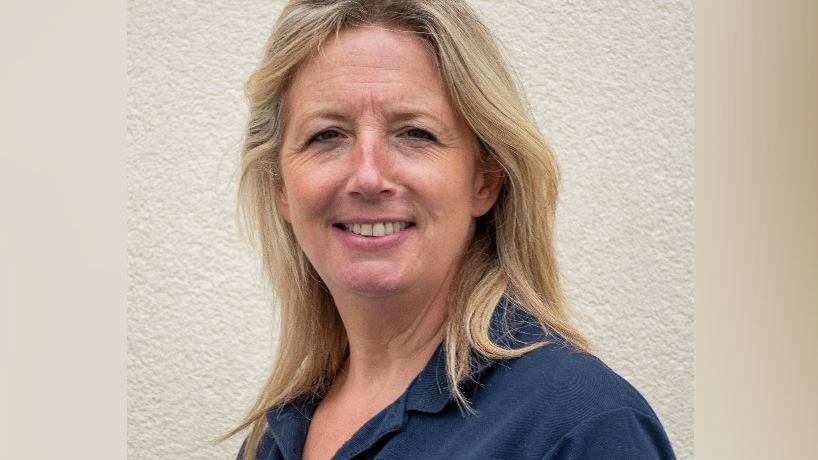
(510, 327)
(289, 423)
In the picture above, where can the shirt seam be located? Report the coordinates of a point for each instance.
(589, 419)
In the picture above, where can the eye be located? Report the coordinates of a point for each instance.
(419, 134)
(325, 135)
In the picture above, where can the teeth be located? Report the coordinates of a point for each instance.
(377, 229)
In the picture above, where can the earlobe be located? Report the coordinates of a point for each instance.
(486, 190)
(282, 205)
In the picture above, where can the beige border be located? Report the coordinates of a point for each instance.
(62, 253)
(756, 224)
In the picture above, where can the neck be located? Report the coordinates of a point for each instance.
(391, 338)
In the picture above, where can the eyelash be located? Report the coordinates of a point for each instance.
(315, 137)
(426, 135)
(423, 135)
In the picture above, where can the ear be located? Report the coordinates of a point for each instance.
(488, 181)
(282, 204)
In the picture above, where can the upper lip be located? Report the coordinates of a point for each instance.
(372, 220)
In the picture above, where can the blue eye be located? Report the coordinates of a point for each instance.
(417, 133)
(325, 135)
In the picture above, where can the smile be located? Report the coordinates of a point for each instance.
(375, 229)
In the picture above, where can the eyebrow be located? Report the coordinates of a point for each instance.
(322, 113)
(396, 116)
(413, 115)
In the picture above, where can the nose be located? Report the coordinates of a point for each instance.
(371, 170)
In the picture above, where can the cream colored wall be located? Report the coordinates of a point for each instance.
(611, 85)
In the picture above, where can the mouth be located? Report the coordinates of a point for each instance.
(374, 229)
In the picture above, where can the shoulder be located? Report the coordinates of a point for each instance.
(623, 433)
(266, 449)
(556, 376)
(568, 404)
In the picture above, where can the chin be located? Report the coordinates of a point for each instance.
(372, 284)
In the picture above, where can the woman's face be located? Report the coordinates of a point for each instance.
(379, 177)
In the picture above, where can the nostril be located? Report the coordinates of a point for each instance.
(362, 191)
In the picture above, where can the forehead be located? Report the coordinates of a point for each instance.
(369, 67)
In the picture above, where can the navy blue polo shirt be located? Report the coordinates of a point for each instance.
(551, 403)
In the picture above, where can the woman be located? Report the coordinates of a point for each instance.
(403, 202)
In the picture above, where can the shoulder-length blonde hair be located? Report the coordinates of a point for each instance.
(512, 253)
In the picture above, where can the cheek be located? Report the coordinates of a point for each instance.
(454, 188)
(307, 203)
(308, 193)
(448, 202)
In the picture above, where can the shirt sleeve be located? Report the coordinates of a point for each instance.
(618, 434)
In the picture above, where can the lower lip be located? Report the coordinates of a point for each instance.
(371, 243)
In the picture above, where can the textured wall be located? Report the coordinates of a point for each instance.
(611, 86)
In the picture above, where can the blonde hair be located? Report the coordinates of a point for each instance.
(512, 253)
